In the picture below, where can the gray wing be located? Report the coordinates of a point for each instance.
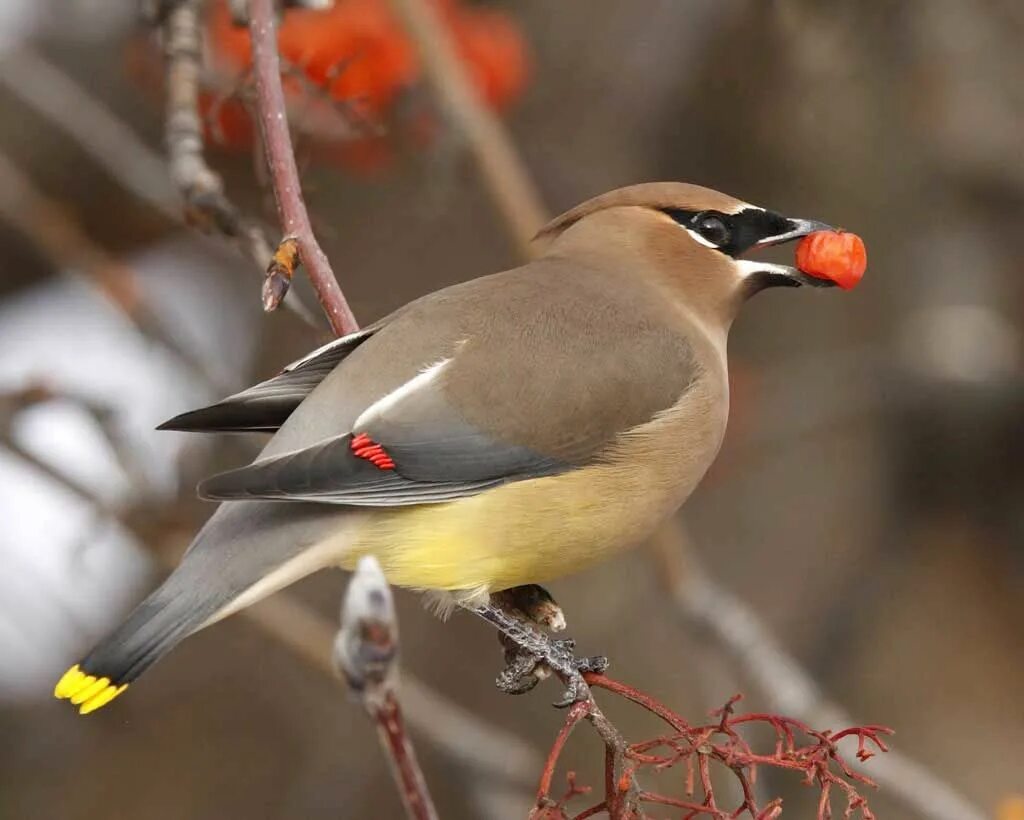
(331, 472)
(415, 449)
(264, 407)
(462, 400)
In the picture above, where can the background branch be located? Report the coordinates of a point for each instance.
(206, 204)
(100, 134)
(284, 175)
(732, 625)
(201, 187)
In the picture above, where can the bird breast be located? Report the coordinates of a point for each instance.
(534, 530)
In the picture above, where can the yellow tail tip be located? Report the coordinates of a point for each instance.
(101, 699)
(86, 691)
(69, 683)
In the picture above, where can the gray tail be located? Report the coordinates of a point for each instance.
(153, 629)
(241, 544)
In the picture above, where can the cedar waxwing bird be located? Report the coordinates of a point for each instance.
(497, 433)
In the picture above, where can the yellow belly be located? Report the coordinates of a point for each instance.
(526, 532)
(533, 531)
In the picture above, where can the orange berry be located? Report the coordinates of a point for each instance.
(494, 52)
(839, 256)
(357, 51)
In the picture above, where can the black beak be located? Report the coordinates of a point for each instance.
(795, 229)
(765, 274)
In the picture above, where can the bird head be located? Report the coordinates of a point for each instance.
(694, 239)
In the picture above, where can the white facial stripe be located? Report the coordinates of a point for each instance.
(746, 267)
(698, 238)
(403, 391)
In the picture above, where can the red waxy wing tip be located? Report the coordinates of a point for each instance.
(365, 447)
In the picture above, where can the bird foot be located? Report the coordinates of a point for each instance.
(531, 602)
(531, 655)
(526, 668)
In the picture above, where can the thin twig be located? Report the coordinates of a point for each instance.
(621, 793)
(206, 204)
(543, 805)
(737, 629)
(818, 758)
(101, 135)
(502, 170)
(284, 173)
(366, 653)
(81, 491)
(202, 188)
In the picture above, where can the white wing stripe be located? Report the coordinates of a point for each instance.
(385, 403)
(344, 340)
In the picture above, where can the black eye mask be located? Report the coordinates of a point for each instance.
(741, 230)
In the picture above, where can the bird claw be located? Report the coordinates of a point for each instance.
(525, 669)
(530, 654)
(521, 673)
(575, 685)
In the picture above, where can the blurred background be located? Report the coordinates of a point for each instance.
(867, 505)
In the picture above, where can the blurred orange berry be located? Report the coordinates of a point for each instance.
(1011, 808)
(493, 50)
(356, 51)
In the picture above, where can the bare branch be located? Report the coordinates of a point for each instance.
(501, 169)
(206, 204)
(544, 805)
(736, 628)
(203, 190)
(366, 653)
(99, 133)
(284, 173)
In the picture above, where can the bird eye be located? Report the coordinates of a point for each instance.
(713, 228)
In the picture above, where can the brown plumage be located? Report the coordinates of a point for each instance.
(499, 432)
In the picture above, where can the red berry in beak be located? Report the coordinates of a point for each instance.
(838, 256)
